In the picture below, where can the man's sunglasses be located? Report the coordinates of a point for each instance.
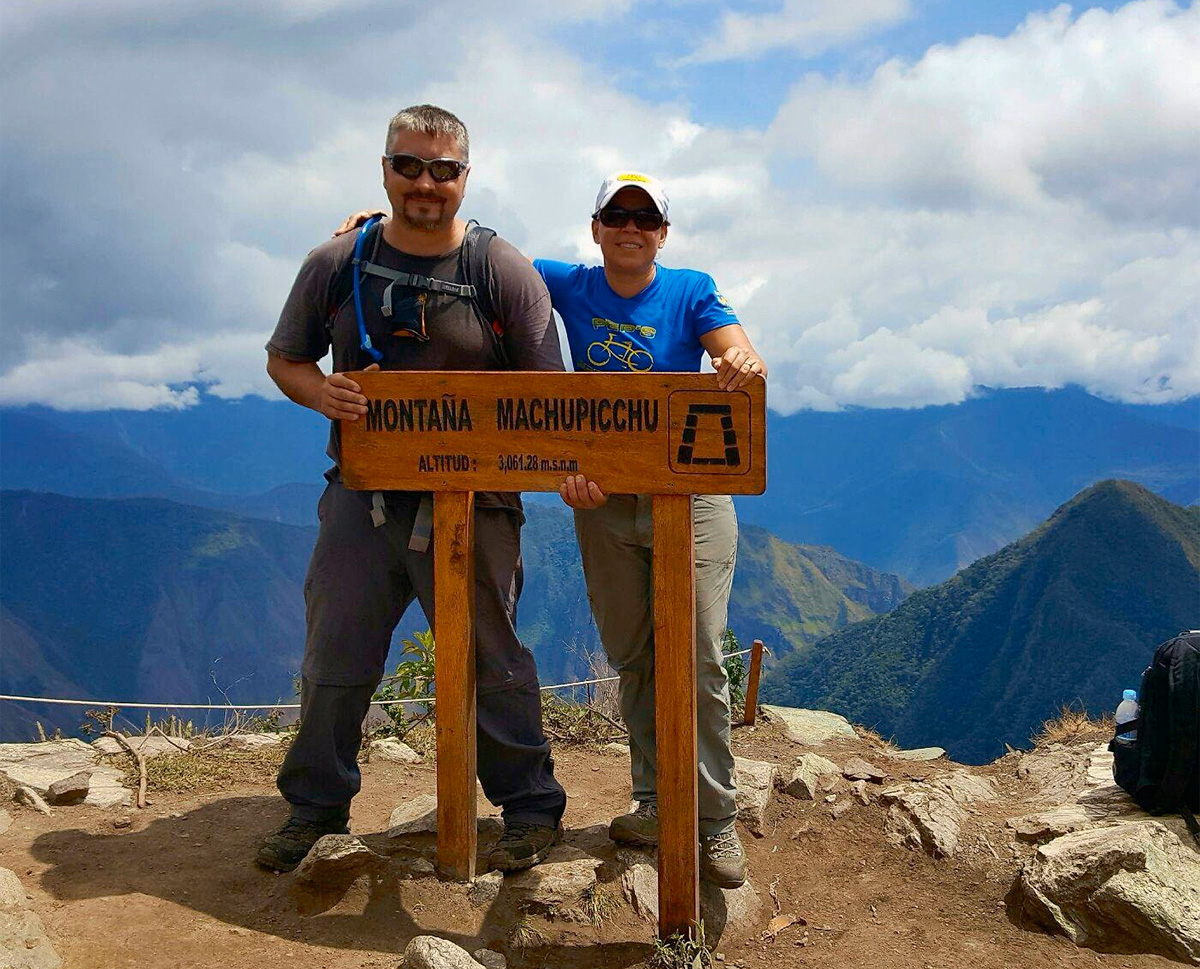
(646, 220)
(440, 169)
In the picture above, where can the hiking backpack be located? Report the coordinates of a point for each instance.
(473, 261)
(1160, 766)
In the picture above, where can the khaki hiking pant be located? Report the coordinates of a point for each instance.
(616, 544)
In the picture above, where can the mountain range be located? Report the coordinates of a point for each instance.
(1070, 613)
(919, 493)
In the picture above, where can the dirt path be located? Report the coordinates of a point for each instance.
(178, 887)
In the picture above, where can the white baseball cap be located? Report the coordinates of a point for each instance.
(625, 179)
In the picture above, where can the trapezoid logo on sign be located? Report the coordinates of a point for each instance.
(709, 432)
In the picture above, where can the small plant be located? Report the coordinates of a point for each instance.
(413, 679)
(735, 667)
(524, 933)
(599, 904)
(680, 951)
(1072, 723)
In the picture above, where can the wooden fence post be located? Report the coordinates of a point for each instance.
(454, 630)
(675, 714)
(752, 685)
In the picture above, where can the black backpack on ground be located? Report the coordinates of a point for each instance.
(1160, 767)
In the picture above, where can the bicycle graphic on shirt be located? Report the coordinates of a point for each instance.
(624, 352)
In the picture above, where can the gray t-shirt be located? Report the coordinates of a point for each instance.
(319, 316)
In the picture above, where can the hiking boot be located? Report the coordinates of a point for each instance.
(639, 827)
(722, 860)
(523, 845)
(286, 848)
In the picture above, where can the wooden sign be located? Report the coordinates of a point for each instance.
(645, 433)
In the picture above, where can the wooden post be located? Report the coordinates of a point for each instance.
(752, 685)
(675, 703)
(454, 630)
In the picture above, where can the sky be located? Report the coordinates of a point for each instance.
(904, 200)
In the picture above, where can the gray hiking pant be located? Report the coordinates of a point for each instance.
(616, 543)
(360, 581)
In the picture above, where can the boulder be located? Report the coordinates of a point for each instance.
(926, 819)
(32, 799)
(1047, 825)
(1131, 886)
(23, 940)
(722, 909)
(807, 775)
(918, 754)
(418, 816)
(755, 782)
(558, 882)
(485, 889)
(1058, 771)
(639, 883)
(857, 769)
(490, 959)
(336, 857)
(963, 787)
(39, 765)
(149, 747)
(70, 790)
(394, 751)
(811, 727)
(430, 952)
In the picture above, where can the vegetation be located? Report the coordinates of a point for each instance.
(413, 679)
(682, 951)
(1073, 723)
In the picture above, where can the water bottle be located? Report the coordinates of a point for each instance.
(1127, 710)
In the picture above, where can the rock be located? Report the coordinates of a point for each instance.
(558, 882)
(807, 775)
(23, 940)
(418, 868)
(394, 752)
(485, 889)
(639, 882)
(31, 798)
(489, 827)
(811, 727)
(923, 819)
(621, 750)
(430, 952)
(149, 747)
(70, 790)
(920, 753)
(37, 766)
(1047, 825)
(721, 909)
(1132, 886)
(860, 792)
(841, 808)
(857, 769)
(11, 891)
(963, 787)
(1099, 767)
(490, 959)
(755, 782)
(1058, 771)
(122, 823)
(418, 816)
(256, 741)
(334, 857)
(5, 821)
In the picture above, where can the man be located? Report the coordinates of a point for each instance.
(633, 314)
(411, 311)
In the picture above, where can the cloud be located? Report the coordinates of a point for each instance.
(806, 27)
(1004, 211)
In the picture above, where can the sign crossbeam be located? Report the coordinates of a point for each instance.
(668, 435)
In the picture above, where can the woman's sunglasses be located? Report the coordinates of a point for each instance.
(440, 169)
(646, 220)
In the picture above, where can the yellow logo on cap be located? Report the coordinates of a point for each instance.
(632, 177)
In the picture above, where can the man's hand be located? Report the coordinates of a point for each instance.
(339, 397)
(578, 492)
(352, 222)
(737, 366)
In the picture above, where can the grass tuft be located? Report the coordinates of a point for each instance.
(681, 951)
(1071, 724)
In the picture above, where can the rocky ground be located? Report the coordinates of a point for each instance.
(860, 856)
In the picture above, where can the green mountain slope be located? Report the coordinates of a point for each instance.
(1069, 613)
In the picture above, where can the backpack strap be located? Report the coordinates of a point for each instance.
(477, 269)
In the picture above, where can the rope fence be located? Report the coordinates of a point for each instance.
(275, 706)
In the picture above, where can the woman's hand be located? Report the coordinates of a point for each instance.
(737, 366)
(352, 222)
(578, 492)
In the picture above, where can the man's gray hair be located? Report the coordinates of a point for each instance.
(430, 120)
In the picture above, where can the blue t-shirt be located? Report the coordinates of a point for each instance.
(658, 329)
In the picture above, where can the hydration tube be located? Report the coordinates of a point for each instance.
(363, 336)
